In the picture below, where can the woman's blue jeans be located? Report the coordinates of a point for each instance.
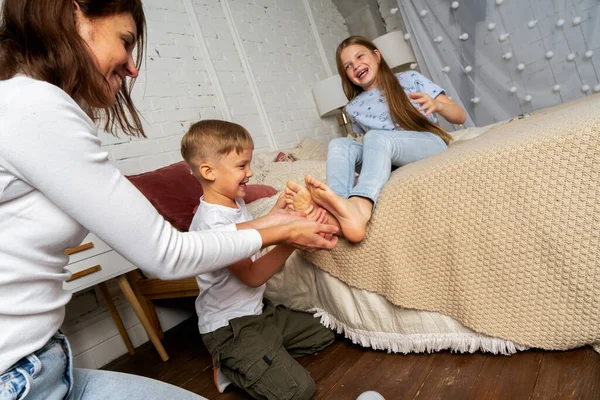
(375, 156)
(48, 374)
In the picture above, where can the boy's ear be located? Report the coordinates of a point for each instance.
(207, 172)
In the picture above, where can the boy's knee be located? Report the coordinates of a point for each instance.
(306, 388)
(281, 377)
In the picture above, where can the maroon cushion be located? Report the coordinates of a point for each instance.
(175, 192)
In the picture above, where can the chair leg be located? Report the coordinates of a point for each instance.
(153, 316)
(147, 305)
(114, 313)
(137, 308)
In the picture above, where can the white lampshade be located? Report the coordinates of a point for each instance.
(329, 96)
(395, 50)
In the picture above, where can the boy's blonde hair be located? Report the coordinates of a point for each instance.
(210, 139)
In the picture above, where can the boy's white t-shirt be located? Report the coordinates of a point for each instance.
(223, 296)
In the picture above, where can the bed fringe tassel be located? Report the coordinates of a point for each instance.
(421, 343)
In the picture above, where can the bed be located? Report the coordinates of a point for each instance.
(531, 278)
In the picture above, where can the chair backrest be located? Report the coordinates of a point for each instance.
(173, 191)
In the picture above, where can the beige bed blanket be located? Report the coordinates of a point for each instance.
(501, 232)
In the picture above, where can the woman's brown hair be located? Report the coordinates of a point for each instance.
(402, 111)
(39, 38)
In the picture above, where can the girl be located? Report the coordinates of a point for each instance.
(394, 115)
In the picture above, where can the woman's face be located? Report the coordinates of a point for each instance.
(361, 65)
(111, 41)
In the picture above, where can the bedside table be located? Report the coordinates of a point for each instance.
(93, 263)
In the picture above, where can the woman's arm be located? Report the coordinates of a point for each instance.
(54, 149)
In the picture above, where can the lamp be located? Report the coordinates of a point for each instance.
(395, 50)
(328, 93)
(329, 96)
(330, 99)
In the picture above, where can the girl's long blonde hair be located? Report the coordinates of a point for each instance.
(402, 111)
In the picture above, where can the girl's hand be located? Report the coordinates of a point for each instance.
(441, 105)
(309, 235)
(427, 104)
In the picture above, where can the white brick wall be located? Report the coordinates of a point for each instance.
(173, 91)
(284, 63)
(230, 72)
(331, 26)
(268, 92)
(270, 97)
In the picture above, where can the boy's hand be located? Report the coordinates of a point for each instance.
(320, 216)
(280, 204)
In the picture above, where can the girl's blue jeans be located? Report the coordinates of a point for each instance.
(48, 374)
(374, 157)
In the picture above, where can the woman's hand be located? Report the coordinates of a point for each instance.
(274, 218)
(311, 235)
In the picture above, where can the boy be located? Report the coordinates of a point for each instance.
(252, 342)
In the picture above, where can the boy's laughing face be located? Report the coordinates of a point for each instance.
(232, 173)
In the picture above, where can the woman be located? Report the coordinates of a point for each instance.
(63, 63)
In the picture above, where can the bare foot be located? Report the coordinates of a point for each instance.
(298, 198)
(352, 214)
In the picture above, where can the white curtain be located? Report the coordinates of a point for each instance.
(522, 55)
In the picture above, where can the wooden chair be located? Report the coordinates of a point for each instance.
(148, 289)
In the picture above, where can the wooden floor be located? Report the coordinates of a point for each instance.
(344, 370)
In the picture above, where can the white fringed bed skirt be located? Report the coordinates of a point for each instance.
(403, 343)
(369, 320)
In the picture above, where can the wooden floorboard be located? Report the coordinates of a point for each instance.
(571, 374)
(359, 379)
(344, 370)
(452, 376)
(404, 374)
(331, 365)
(504, 377)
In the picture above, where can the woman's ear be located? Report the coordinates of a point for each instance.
(207, 172)
(82, 23)
(76, 8)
